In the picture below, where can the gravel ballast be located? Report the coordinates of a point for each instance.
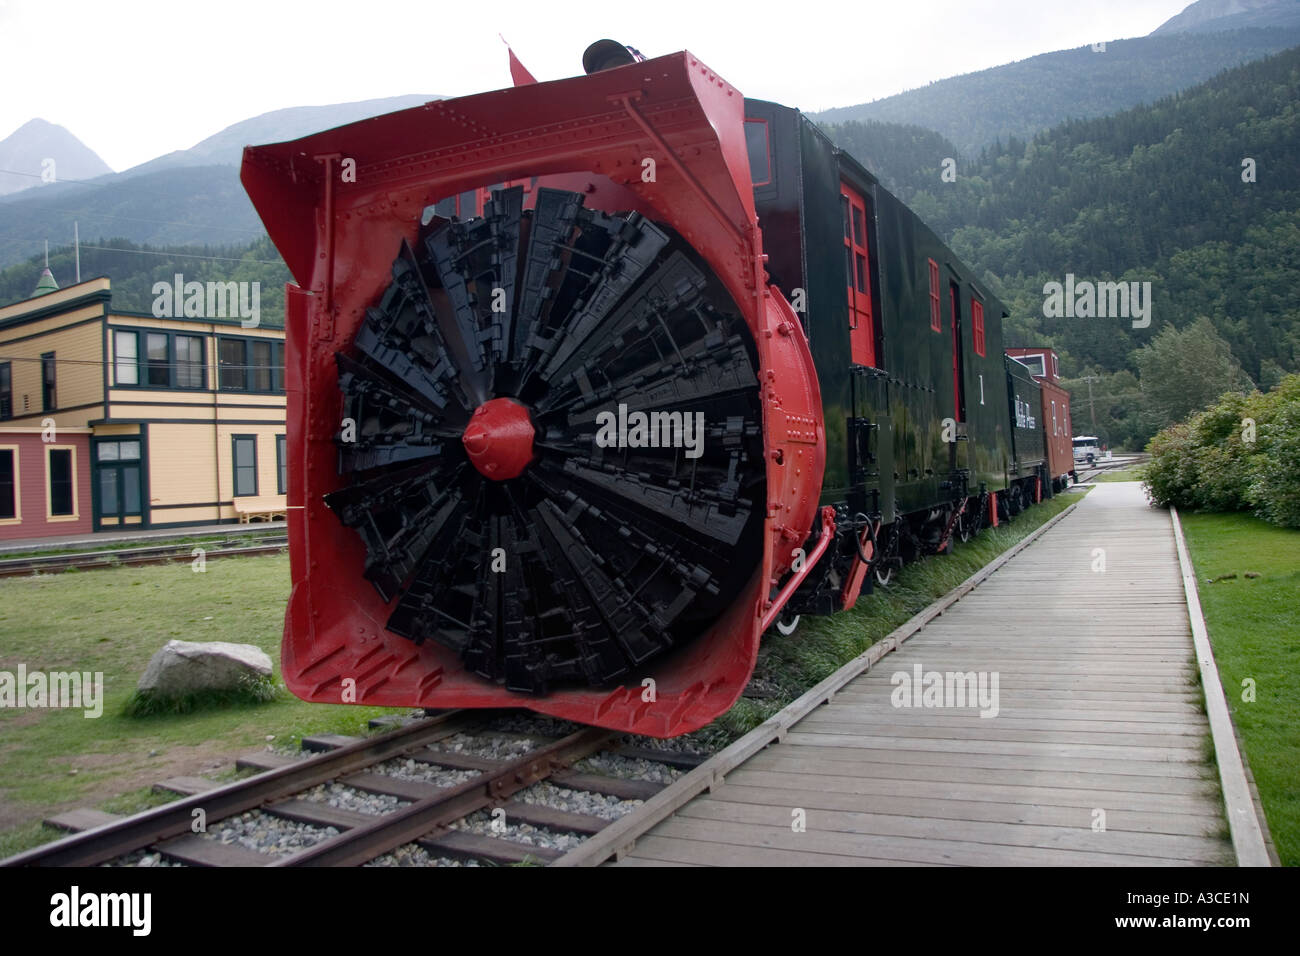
(264, 833)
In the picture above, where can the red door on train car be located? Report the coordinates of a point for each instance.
(857, 264)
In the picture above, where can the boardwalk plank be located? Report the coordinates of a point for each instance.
(1096, 711)
(1079, 837)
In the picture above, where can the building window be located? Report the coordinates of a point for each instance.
(119, 450)
(157, 367)
(251, 365)
(170, 360)
(49, 395)
(59, 467)
(190, 363)
(261, 365)
(935, 323)
(977, 321)
(281, 466)
(6, 391)
(8, 484)
(126, 356)
(245, 465)
(233, 365)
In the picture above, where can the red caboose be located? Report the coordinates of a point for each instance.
(1056, 412)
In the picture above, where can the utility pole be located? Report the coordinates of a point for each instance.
(1092, 412)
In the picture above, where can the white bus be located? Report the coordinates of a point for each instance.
(1087, 448)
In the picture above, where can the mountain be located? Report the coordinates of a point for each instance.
(31, 148)
(226, 148)
(1020, 99)
(186, 196)
(1207, 16)
(189, 204)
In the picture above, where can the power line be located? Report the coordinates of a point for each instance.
(180, 255)
(147, 252)
(79, 182)
(157, 222)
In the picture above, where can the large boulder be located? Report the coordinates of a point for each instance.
(182, 667)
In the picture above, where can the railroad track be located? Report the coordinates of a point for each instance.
(423, 813)
(1089, 473)
(153, 554)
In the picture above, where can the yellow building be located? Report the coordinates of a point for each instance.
(173, 421)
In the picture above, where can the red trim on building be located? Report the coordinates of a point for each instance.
(32, 517)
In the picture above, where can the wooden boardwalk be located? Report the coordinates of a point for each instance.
(1096, 756)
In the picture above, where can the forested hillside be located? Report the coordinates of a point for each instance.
(1159, 193)
(134, 269)
(199, 203)
(1023, 98)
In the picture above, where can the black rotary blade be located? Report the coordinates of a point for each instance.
(638, 520)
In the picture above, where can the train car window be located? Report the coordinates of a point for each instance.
(935, 322)
(977, 325)
(760, 154)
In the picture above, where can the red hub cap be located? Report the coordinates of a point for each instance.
(499, 439)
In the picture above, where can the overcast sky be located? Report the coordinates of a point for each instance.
(134, 79)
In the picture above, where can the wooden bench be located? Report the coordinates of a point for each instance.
(263, 508)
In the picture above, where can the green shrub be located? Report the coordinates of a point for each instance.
(1241, 453)
(1171, 473)
(1275, 488)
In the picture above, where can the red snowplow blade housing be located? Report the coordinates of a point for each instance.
(338, 204)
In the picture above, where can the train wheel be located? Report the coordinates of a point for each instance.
(557, 466)
(884, 575)
(963, 529)
(787, 624)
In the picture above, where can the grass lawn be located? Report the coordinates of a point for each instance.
(1132, 473)
(788, 666)
(1254, 626)
(112, 621)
